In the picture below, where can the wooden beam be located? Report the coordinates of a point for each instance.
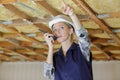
(23, 15)
(95, 31)
(8, 28)
(93, 48)
(13, 43)
(25, 43)
(6, 44)
(15, 10)
(43, 27)
(101, 40)
(11, 1)
(82, 5)
(111, 48)
(98, 55)
(39, 58)
(7, 58)
(47, 7)
(100, 49)
(9, 35)
(115, 15)
(22, 51)
(40, 50)
(115, 55)
(25, 57)
(13, 30)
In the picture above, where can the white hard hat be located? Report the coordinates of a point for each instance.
(60, 18)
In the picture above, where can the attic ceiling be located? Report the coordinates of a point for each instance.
(22, 20)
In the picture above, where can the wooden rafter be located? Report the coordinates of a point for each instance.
(47, 7)
(100, 49)
(21, 55)
(11, 1)
(95, 45)
(19, 13)
(102, 40)
(7, 58)
(105, 46)
(23, 15)
(13, 42)
(34, 20)
(82, 5)
(18, 51)
(111, 48)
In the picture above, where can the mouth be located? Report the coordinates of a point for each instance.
(59, 36)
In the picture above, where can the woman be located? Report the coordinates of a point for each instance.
(72, 61)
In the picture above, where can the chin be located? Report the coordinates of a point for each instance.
(60, 40)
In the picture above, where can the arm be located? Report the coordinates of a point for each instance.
(80, 32)
(48, 66)
(82, 37)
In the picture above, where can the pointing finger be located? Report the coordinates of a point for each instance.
(63, 3)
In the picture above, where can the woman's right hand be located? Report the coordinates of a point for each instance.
(49, 39)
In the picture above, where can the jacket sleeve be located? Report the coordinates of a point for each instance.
(48, 71)
(84, 42)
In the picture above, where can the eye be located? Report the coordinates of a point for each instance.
(55, 30)
(62, 27)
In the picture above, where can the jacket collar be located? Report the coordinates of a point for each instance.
(72, 47)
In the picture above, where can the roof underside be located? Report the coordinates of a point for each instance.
(20, 21)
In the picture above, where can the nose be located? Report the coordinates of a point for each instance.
(58, 31)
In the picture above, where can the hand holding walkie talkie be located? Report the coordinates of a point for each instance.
(54, 37)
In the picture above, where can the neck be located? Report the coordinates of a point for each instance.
(66, 45)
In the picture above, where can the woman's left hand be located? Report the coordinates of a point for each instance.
(67, 10)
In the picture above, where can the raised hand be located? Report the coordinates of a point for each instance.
(67, 10)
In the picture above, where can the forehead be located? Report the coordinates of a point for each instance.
(59, 24)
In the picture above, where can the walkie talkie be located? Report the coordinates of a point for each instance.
(54, 37)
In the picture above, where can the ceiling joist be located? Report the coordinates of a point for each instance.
(82, 5)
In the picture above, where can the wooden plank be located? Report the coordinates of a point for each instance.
(102, 40)
(111, 48)
(40, 50)
(15, 10)
(47, 7)
(23, 15)
(6, 44)
(25, 57)
(6, 1)
(100, 49)
(7, 58)
(9, 35)
(11, 1)
(25, 43)
(8, 28)
(82, 5)
(115, 15)
(43, 27)
(95, 31)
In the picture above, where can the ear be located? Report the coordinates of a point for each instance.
(71, 31)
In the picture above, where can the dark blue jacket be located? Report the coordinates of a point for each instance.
(74, 66)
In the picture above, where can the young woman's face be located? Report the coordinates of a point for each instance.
(62, 31)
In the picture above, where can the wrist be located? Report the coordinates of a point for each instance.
(72, 14)
(51, 47)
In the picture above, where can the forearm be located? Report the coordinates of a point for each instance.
(82, 37)
(50, 56)
(48, 66)
(76, 21)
